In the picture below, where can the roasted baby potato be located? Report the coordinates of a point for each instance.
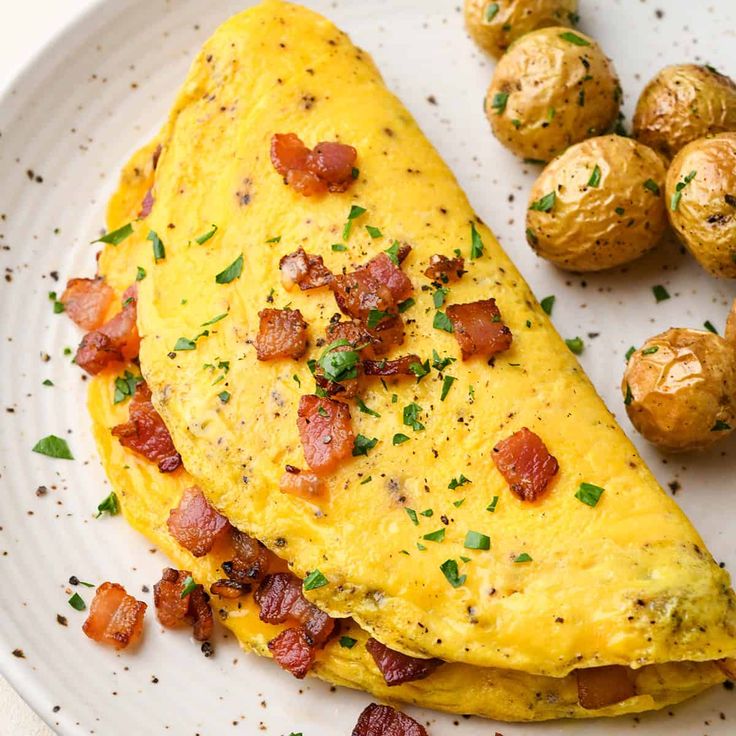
(495, 26)
(598, 205)
(683, 103)
(554, 87)
(680, 389)
(701, 194)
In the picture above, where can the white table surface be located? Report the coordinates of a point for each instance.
(26, 27)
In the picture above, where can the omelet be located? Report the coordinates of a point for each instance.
(562, 584)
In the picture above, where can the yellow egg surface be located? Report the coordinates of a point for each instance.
(627, 582)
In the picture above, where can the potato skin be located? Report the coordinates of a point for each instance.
(679, 392)
(494, 26)
(559, 93)
(681, 104)
(583, 231)
(705, 215)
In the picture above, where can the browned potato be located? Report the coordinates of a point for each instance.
(598, 205)
(684, 103)
(701, 194)
(554, 87)
(494, 26)
(680, 389)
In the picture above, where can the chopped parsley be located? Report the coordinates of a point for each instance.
(347, 642)
(412, 514)
(376, 316)
(48, 382)
(406, 304)
(660, 293)
(459, 503)
(365, 409)
(628, 397)
(492, 505)
(77, 602)
(315, 580)
(411, 417)
(339, 247)
(58, 306)
(457, 482)
(450, 571)
(115, 237)
(393, 252)
(355, 212)
(125, 386)
(374, 232)
(476, 244)
(189, 586)
(548, 304)
(476, 540)
(442, 322)
(679, 187)
(544, 204)
(224, 396)
(184, 343)
(108, 505)
(439, 296)
(589, 494)
(363, 444)
(630, 352)
(214, 320)
(436, 536)
(140, 273)
(651, 350)
(498, 103)
(446, 386)
(53, 446)
(440, 364)
(339, 365)
(159, 251)
(429, 513)
(710, 327)
(367, 479)
(399, 439)
(595, 177)
(491, 12)
(651, 186)
(575, 344)
(573, 38)
(720, 426)
(232, 272)
(202, 239)
(523, 557)
(276, 239)
(419, 369)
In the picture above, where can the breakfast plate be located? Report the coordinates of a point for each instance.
(68, 124)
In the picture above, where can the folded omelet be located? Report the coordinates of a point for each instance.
(564, 585)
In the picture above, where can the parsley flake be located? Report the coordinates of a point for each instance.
(589, 494)
(436, 536)
(339, 365)
(450, 571)
(523, 557)
(442, 322)
(660, 293)
(491, 11)
(77, 602)
(595, 177)
(411, 417)
(406, 304)
(159, 251)
(125, 386)
(576, 345)
(446, 386)
(419, 369)
(412, 514)
(109, 505)
(140, 273)
(224, 396)
(710, 327)
(393, 252)
(374, 232)
(457, 482)
(548, 304)
(202, 239)
(376, 316)
(315, 580)
(365, 409)
(492, 505)
(347, 642)
(232, 272)
(399, 439)
(355, 212)
(476, 540)
(498, 103)
(363, 444)
(115, 237)
(720, 426)
(189, 586)
(439, 296)
(476, 244)
(651, 186)
(545, 203)
(679, 187)
(53, 446)
(573, 38)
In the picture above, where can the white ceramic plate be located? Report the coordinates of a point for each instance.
(66, 126)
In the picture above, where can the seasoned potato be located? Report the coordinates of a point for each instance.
(701, 194)
(554, 87)
(680, 389)
(683, 103)
(598, 205)
(495, 26)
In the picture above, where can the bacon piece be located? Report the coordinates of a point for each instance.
(116, 341)
(250, 559)
(325, 431)
(357, 293)
(86, 301)
(397, 667)
(383, 720)
(524, 461)
(195, 524)
(329, 167)
(346, 389)
(115, 617)
(230, 589)
(300, 483)
(387, 335)
(173, 610)
(304, 269)
(146, 432)
(293, 652)
(602, 686)
(444, 269)
(479, 329)
(385, 271)
(398, 367)
(281, 599)
(282, 333)
(146, 204)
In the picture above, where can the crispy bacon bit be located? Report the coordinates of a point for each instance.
(383, 720)
(329, 167)
(524, 461)
(146, 204)
(250, 559)
(479, 329)
(173, 610)
(346, 389)
(116, 341)
(302, 484)
(444, 269)
(388, 334)
(602, 686)
(293, 652)
(231, 589)
(146, 432)
(397, 667)
(86, 301)
(325, 430)
(306, 270)
(280, 598)
(385, 271)
(282, 334)
(399, 367)
(115, 617)
(195, 524)
(357, 293)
